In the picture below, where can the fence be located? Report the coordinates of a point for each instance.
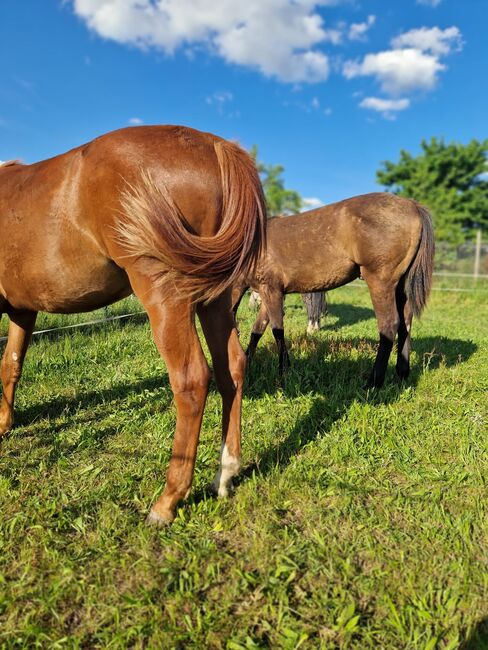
(462, 268)
(469, 259)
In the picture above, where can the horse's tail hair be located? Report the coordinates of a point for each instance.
(419, 276)
(316, 306)
(155, 232)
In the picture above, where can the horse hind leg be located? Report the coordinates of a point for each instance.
(173, 328)
(383, 296)
(404, 338)
(19, 334)
(229, 363)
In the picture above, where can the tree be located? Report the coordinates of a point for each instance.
(450, 179)
(279, 200)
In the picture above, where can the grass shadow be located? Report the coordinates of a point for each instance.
(478, 639)
(338, 369)
(346, 315)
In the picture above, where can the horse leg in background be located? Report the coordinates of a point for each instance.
(404, 345)
(173, 327)
(229, 364)
(237, 294)
(258, 329)
(19, 334)
(384, 302)
(325, 306)
(274, 300)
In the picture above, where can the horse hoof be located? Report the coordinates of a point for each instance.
(159, 519)
(220, 491)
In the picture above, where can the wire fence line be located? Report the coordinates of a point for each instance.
(480, 282)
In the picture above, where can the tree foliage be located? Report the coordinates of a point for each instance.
(279, 200)
(450, 179)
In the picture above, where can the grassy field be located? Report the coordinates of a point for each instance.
(359, 520)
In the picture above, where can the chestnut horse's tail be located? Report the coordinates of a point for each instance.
(156, 233)
(419, 276)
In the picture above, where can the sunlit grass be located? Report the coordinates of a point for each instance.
(359, 521)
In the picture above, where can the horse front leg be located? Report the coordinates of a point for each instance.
(229, 363)
(258, 329)
(19, 334)
(274, 300)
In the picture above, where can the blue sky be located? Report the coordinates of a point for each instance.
(329, 89)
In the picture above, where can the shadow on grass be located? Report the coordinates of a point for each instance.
(328, 367)
(318, 363)
(346, 315)
(478, 640)
(338, 369)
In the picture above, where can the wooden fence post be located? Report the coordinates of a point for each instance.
(477, 254)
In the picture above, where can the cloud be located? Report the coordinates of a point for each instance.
(136, 121)
(387, 107)
(279, 38)
(312, 202)
(434, 40)
(357, 31)
(429, 3)
(412, 64)
(398, 71)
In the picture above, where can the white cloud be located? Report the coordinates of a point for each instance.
(357, 31)
(312, 202)
(387, 107)
(429, 3)
(434, 40)
(136, 121)
(412, 64)
(220, 97)
(398, 71)
(277, 37)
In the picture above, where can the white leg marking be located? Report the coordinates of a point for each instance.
(229, 467)
(14, 356)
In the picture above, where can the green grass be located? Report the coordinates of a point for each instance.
(359, 520)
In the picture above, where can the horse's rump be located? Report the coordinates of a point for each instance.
(157, 235)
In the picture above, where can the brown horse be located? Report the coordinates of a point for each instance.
(166, 212)
(385, 239)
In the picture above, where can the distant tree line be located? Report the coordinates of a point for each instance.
(450, 179)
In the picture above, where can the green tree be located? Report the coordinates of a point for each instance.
(450, 179)
(279, 200)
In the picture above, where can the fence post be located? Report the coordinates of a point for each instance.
(477, 254)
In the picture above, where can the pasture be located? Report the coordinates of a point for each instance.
(360, 519)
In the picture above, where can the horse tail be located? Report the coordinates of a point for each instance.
(200, 268)
(419, 276)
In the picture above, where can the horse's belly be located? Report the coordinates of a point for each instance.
(319, 275)
(81, 287)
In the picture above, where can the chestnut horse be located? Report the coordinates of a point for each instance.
(385, 239)
(166, 212)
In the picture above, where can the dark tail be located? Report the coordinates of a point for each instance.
(314, 304)
(200, 268)
(418, 280)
